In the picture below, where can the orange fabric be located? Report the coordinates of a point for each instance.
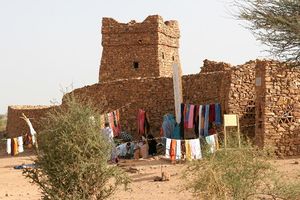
(173, 150)
(14, 146)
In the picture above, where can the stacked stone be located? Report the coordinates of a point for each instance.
(241, 97)
(17, 126)
(132, 50)
(154, 95)
(280, 107)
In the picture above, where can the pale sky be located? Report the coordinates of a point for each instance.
(49, 45)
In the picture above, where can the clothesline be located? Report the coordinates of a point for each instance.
(156, 138)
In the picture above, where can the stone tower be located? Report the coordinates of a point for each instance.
(132, 50)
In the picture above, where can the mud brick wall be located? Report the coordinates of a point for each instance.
(278, 107)
(241, 96)
(17, 126)
(154, 95)
(133, 50)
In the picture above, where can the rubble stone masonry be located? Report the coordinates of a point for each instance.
(136, 73)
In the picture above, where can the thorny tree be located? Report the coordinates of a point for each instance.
(276, 23)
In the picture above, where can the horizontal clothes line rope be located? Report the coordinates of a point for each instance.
(165, 137)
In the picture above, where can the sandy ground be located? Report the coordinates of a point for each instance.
(13, 186)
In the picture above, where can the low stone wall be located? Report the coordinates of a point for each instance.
(17, 126)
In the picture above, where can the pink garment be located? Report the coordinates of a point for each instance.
(141, 122)
(191, 117)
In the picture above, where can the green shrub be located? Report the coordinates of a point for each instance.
(238, 173)
(72, 156)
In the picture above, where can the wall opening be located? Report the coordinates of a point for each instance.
(135, 65)
(163, 55)
(173, 58)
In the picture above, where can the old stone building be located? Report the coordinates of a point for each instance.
(136, 72)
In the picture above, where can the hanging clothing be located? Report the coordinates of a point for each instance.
(191, 117)
(186, 115)
(141, 122)
(212, 113)
(196, 120)
(218, 114)
(211, 141)
(168, 147)
(176, 133)
(182, 122)
(168, 125)
(32, 131)
(188, 150)
(8, 146)
(206, 120)
(178, 149)
(195, 149)
(173, 149)
(14, 146)
(200, 120)
(20, 144)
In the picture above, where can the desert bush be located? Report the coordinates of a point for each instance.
(72, 157)
(238, 173)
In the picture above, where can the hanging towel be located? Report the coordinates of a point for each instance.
(173, 149)
(218, 113)
(176, 133)
(188, 150)
(178, 149)
(196, 149)
(186, 115)
(141, 122)
(14, 146)
(196, 120)
(191, 117)
(211, 141)
(8, 146)
(200, 119)
(212, 116)
(182, 122)
(20, 144)
(206, 120)
(168, 125)
(168, 147)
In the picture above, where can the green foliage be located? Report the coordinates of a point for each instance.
(275, 23)
(238, 173)
(72, 156)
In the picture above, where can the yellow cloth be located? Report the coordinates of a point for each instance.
(188, 150)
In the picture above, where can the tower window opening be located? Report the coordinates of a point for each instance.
(163, 55)
(135, 65)
(173, 58)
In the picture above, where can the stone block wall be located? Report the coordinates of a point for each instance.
(133, 50)
(241, 96)
(211, 85)
(154, 95)
(278, 107)
(17, 126)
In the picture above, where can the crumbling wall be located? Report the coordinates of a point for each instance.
(278, 107)
(133, 50)
(17, 126)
